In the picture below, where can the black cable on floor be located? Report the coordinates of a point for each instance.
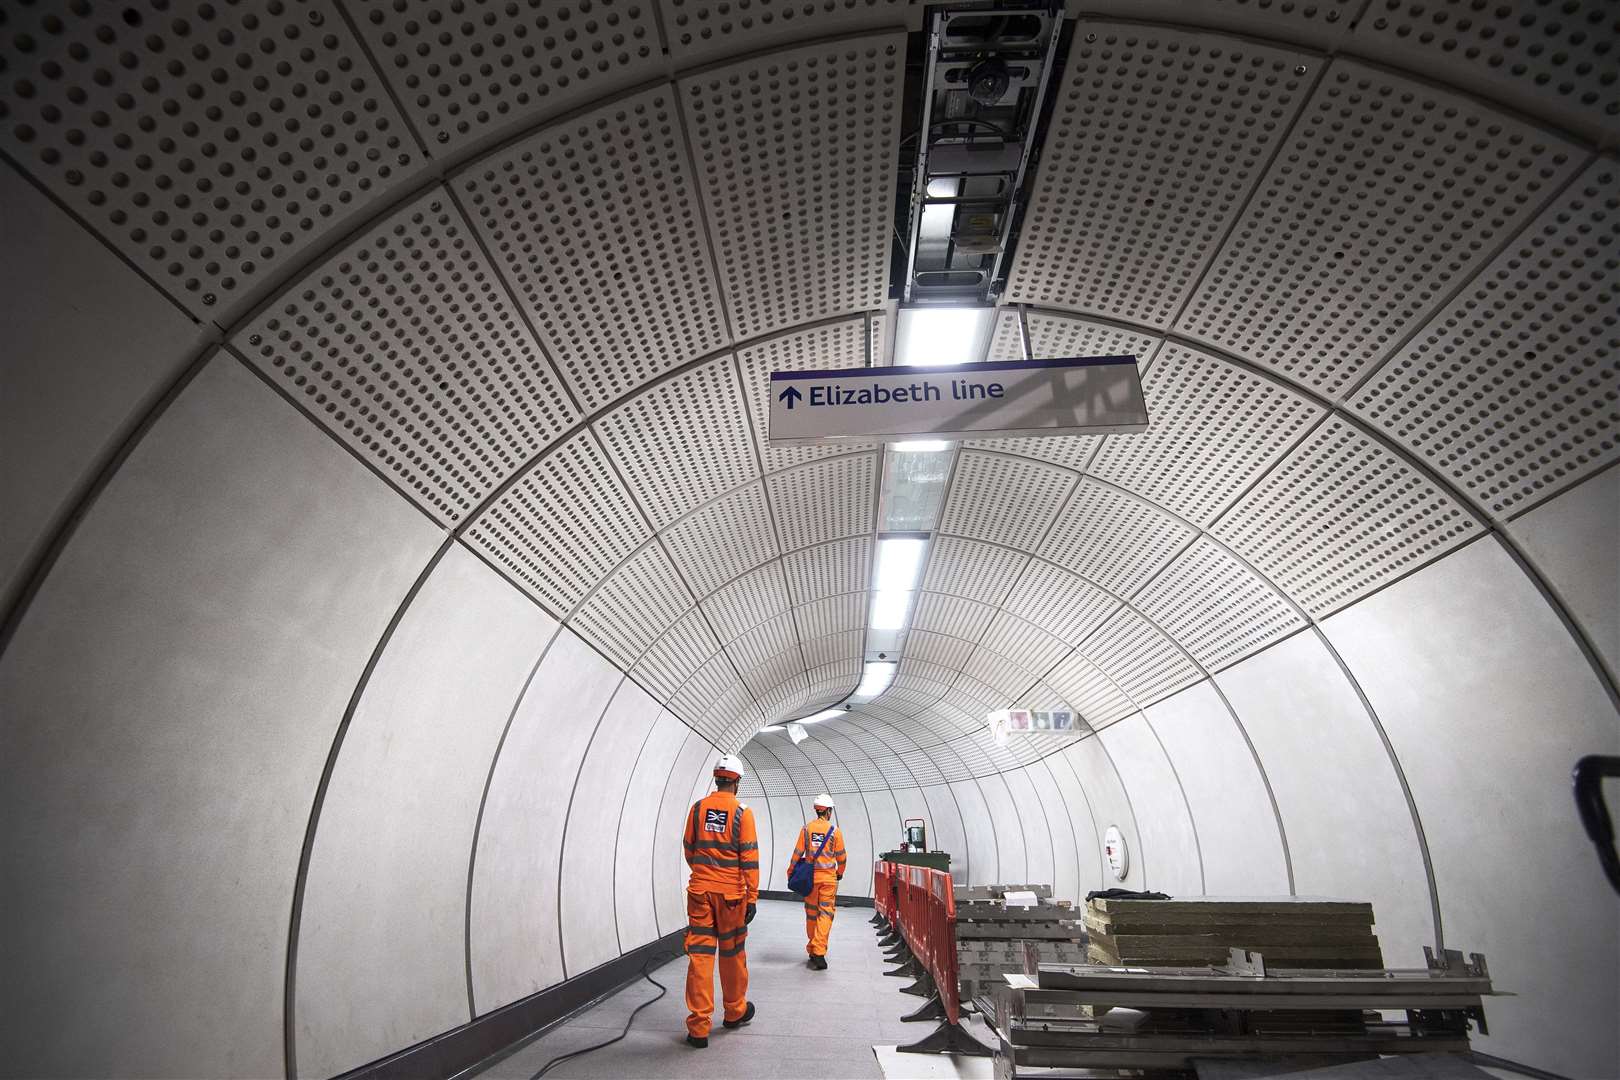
(645, 974)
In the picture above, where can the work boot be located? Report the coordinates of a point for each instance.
(699, 1042)
(819, 963)
(748, 1014)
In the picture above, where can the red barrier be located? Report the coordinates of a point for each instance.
(924, 908)
(883, 897)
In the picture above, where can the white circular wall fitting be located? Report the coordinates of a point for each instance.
(1119, 856)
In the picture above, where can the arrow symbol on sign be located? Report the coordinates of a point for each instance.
(790, 395)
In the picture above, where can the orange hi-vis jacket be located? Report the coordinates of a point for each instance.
(830, 867)
(722, 848)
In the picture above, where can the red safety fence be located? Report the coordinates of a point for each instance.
(919, 901)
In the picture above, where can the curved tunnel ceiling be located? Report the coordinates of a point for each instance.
(532, 264)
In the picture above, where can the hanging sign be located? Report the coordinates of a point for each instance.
(1086, 395)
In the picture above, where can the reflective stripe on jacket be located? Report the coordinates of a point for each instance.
(722, 847)
(830, 867)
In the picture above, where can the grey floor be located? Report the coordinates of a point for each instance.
(811, 1024)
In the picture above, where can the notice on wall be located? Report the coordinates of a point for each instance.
(1085, 395)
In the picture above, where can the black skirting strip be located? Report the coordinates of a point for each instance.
(459, 1049)
(843, 901)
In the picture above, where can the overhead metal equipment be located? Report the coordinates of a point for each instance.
(986, 77)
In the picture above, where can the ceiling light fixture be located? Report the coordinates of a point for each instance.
(920, 446)
(942, 336)
(876, 678)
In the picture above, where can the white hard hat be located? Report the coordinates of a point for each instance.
(824, 800)
(729, 767)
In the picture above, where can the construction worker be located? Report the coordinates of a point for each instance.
(829, 871)
(722, 896)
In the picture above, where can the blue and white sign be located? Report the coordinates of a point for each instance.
(1079, 396)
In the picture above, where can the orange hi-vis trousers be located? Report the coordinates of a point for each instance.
(818, 916)
(715, 927)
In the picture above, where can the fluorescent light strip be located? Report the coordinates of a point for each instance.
(876, 678)
(942, 336)
(899, 562)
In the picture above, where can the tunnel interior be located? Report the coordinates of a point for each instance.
(393, 540)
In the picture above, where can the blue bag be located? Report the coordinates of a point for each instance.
(802, 878)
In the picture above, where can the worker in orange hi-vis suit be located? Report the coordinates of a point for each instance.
(829, 871)
(722, 896)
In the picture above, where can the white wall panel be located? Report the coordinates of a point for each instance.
(71, 388)
(515, 942)
(1037, 833)
(1237, 831)
(594, 822)
(169, 702)
(638, 831)
(1006, 818)
(1489, 703)
(946, 831)
(883, 810)
(669, 870)
(981, 834)
(381, 952)
(1109, 805)
(1349, 832)
(1068, 832)
(788, 816)
(857, 833)
(1169, 843)
(1571, 539)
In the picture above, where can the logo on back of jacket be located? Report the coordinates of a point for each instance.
(716, 820)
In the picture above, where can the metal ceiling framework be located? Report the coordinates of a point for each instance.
(539, 295)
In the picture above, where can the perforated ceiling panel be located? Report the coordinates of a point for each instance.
(1007, 499)
(628, 612)
(763, 643)
(790, 251)
(714, 678)
(881, 753)
(1318, 24)
(924, 646)
(1144, 662)
(405, 347)
(208, 143)
(1089, 691)
(1339, 517)
(707, 29)
(1008, 679)
(831, 648)
(1511, 390)
(463, 73)
(562, 526)
(853, 766)
(832, 615)
(1112, 539)
(747, 602)
(947, 614)
(829, 569)
(970, 569)
(825, 500)
(569, 211)
(1554, 60)
(1156, 138)
(1024, 643)
(1215, 427)
(1371, 230)
(682, 443)
(1216, 607)
(680, 651)
(834, 345)
(728, 537)
(1060, 603)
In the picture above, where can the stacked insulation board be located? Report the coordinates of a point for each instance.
(1290, 932)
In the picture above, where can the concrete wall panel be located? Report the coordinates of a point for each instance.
(593, 828)
(981, 834)
(1237, 830)
(1110, 805)
(1034, 855)
(945, 829)
(638, 831)
(1064, 873)
(515, 940)
(1571, 539)
(89, 347)
(788, 816)
(669, 869)
(1489, 703)
(1169, 844)
(381, 957)
(1349, 831)
(857, 833)
(169, 701)
(1089, 869)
